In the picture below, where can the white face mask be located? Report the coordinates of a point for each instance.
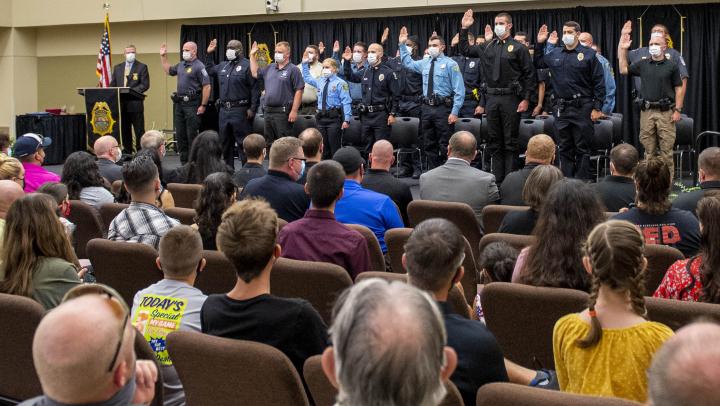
(230, 54)
(130, 57)
(655, 50)
(372, 58)
(187, 56)
(326, 72)
(279, 57)
(499, 30)
(426, 56)
(568, 39)
(311, 56)
(357, 57)
(434, 52)
(585, 44)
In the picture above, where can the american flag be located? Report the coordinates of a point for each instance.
(104, 64)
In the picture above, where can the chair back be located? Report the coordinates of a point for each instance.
(503, 393)
(659, 258)
(514, 240)
(251, 373)
(377, 259)
(303, 122)
(529, 128)
(493, 215)
(321, 390)
(676, 313)
(219, 275)
(404, 132)
(19, 317)
(183, 215)
(258, 125)
(351, 136)
(144, 352)
(88, 225)
(685, 131)
(548, 125)
(603, 138)
(125, 266)
(115, 187)
(319, 283)
(184, 195)
(460, 214)
(452, 397)
(395, 239)
(617, 122)
(523, 317)
(109, 211)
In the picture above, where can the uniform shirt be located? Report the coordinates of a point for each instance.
(689, 200)
(192, 76)
(447, 79)
(516, 64)
(310, 93)
(355, 88)
(576, 72)
(659, 78)
(682, 281)
(379, 85)
(410, 84)
(639, 54)
(338, 93)
(142, 223)
(285, 196)
(281, 84)
(236, 81)
(471, 73)
(676, 228)
(36, 176)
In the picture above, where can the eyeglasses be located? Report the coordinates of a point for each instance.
(298, 159)
(116, 302)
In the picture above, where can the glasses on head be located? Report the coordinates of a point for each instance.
(116, 302)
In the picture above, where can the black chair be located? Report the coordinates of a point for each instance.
(473, 126)
(258, 126)
(617, 120)
(404, 138)
(601, 145)
(352, 136)
(303, 122)
(483, 128)
(529, 128)
(548, 125)
(684, 144)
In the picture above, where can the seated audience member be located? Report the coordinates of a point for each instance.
(554, 260)
(390, 346)
(205, 158)
(5, 142)
(9, 192)
(254, 148)
(606, 349)
(540, 151)
(180, 260)
(379, 179)
(535, 191)
(37, 259)
(155, 140)
(142, 221)
(457, 181)
(84, 182)
(686, 370)
(279, 187)
(12, 169)
(75, 371)
(108, 154)
(433, 259)
(362, 206)
(165, 200)
(59, 192)
(617, 191)
(496, 264)
(697, 279)
(313, 148)
(318, 236)
(248, 238)
(709, 176)
(658, 221)
(30, 150)
(217, 194)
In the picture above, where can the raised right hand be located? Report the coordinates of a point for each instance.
(212, 47)
(627, 28)
(254, 49)
(403, 35)
(467, 20)
(336, 46)
(553, 38)
(542, 35)
(163, 50)
(625, 42)
(347, 55)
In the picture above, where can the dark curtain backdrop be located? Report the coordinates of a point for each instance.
(701, 41)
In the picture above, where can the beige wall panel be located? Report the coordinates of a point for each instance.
(5, 13)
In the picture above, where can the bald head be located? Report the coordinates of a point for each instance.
(586, 39)
(462, 145)
(540, 150)
(104, 147)
(382, 156)
(9, 192)
(686, 370)
(61, 359)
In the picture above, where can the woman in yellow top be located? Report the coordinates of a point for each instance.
(606, 349)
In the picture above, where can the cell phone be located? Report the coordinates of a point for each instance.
(89, 275)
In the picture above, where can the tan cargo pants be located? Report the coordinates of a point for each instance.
(657, 135)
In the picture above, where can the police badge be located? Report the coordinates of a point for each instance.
(472, 64)
(135, 76)
(188, 69)
(239, 68)
(101, 119)
(581, 56)
(381, 77)
(510, 48)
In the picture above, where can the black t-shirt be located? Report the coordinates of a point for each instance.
(689, 200)
(659, 78)
(616, 192)
(292, 326)
(676, 228)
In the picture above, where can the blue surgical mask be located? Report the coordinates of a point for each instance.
(302, 169)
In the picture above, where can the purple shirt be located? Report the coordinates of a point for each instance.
(36, 176)
(319, 237)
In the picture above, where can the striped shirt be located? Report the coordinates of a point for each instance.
(141, 222)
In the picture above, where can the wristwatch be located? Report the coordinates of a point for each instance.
(679, 110)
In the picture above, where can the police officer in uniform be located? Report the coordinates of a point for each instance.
(334, 105)
(579, 92)
(472, 77)
(379, 103)
(235, 99)
(509, 77)
(191, 98)
(444, 94)
(358, 65)
(133, 74)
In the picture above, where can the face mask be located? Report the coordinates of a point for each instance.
(311, 56)
(655, 50)
(326, 73)
(499, 30)
(187, 56)
(230, 54)
(117, 154)
(568, 39)
(66, 210)
(372, 58)
(302, 169)
(585, 44)
(279, 57)
(357, 57)
(434, 52)
(130, 57)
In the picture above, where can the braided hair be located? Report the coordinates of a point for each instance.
(615, 250)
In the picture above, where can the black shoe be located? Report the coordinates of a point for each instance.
(416, 174)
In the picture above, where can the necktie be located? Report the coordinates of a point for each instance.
(431, 79)
(325, 92)
(125, 76)
(496, 65)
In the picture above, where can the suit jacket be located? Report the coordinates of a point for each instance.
(138, 80)
(109, 170)
(457, 181)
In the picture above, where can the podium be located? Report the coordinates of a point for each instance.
(103, 111)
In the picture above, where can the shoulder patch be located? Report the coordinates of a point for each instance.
(456, 68)
(204, 72)
(345, 87)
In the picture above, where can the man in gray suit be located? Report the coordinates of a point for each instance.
(457, 181)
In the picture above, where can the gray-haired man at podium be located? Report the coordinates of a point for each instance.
(133, 74)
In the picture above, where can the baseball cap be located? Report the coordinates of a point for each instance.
(29, 144)
(349, 158)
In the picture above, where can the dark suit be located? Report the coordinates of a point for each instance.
(132, 109)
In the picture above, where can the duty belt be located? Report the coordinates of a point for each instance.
(662, 104)
(276, 109)
(228, 104)
(177, 98)
(575, 101)
(500, 91)
(437, 100)
(333, 112)
(371, 108)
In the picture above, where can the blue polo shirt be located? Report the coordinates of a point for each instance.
(370, 209)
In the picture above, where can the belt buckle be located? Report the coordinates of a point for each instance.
(228, 105)
(370, 109)
(186, 98)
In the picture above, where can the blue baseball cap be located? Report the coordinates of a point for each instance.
(29, 144)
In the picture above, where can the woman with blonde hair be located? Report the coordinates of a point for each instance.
(12, 169)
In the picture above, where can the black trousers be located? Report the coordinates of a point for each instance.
(503, 123)
(374, 128)
(575, 131)
(331, 130)
(468, 109)
(436, 133)
(233, 128)
(277, 126)
(132, 120)
(187, 124)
